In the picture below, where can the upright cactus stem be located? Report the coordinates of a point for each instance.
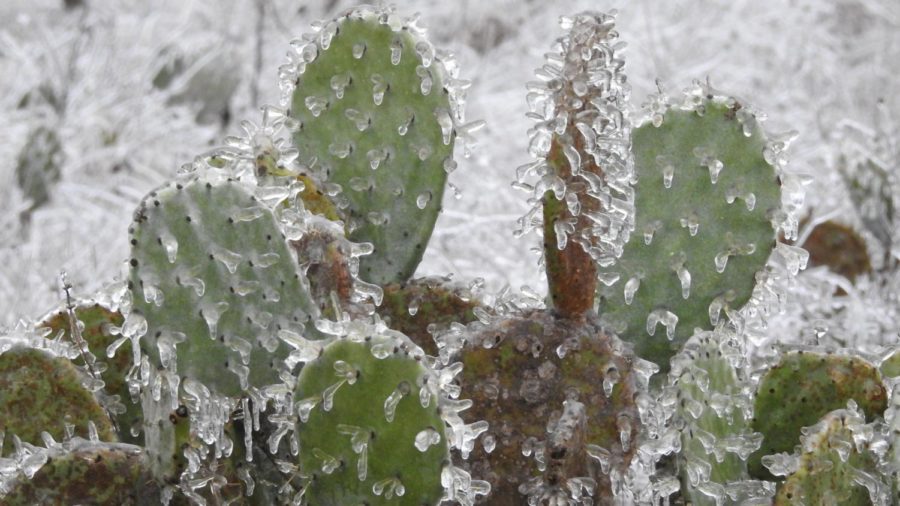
(581, 141)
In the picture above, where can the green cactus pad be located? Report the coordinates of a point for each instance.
(829, 464)
(803, 387)
(96, 324)
(40, 392)
(422, 304)
(705, 198)
(90, 473)
(890, 366)
(713, 393)
(210, 268)
(367, 99)
(355, 449)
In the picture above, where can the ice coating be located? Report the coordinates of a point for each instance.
(367, 109)
(251, 289)
(689, 164)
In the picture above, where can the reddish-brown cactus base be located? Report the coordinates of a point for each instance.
(327, 265)
(435, 304)
(39, 392)
(839, 248)
(101, 474)
(97, 321)
(519, 384)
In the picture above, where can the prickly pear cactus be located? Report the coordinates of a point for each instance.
(707, 197)
(40, 392)
(371, 428)
(714, 408)
(212, 276)
(581, 141)
(98, 327)
(835, 466)
(424, 307)
(88, 472)
(558, 397)
(800, 389)
(377, 112)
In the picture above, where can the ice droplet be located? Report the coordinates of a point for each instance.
(338, 83)
(631, 287)
(396, 51)
(359, 50)
(376, 156)
(361, 120)
(170, 244)
(316, 105)
(390, 404)
(329, 463)
(427, 438)
(212, 311)
(340, 149)
(305, 407)
(667, 318)
(426, 82)
(425, 51)
(423, 199)
(379, 88)
(446, 123)
(685, 277)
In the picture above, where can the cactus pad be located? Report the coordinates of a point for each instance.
(97, 323)
(830, 463)
(212, 275)
(40, 392)
(422, 304)
(374, 117)
(706, 198)
(559, 399)
(365, 436)
(714, 406)
(803, 387)
(89, 473)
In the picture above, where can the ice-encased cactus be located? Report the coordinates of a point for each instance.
(39, 167)
(371, 427)
(707, 196)
(42, 392)
(98, 326)
(802, 388)
(714, 410)
(212, 276)
(582, 196)
(559, 400)
(377, 111)
(81, 471)
(837, 464)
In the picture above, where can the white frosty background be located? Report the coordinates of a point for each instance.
(809, 64)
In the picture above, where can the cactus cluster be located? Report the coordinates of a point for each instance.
(269, 345)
